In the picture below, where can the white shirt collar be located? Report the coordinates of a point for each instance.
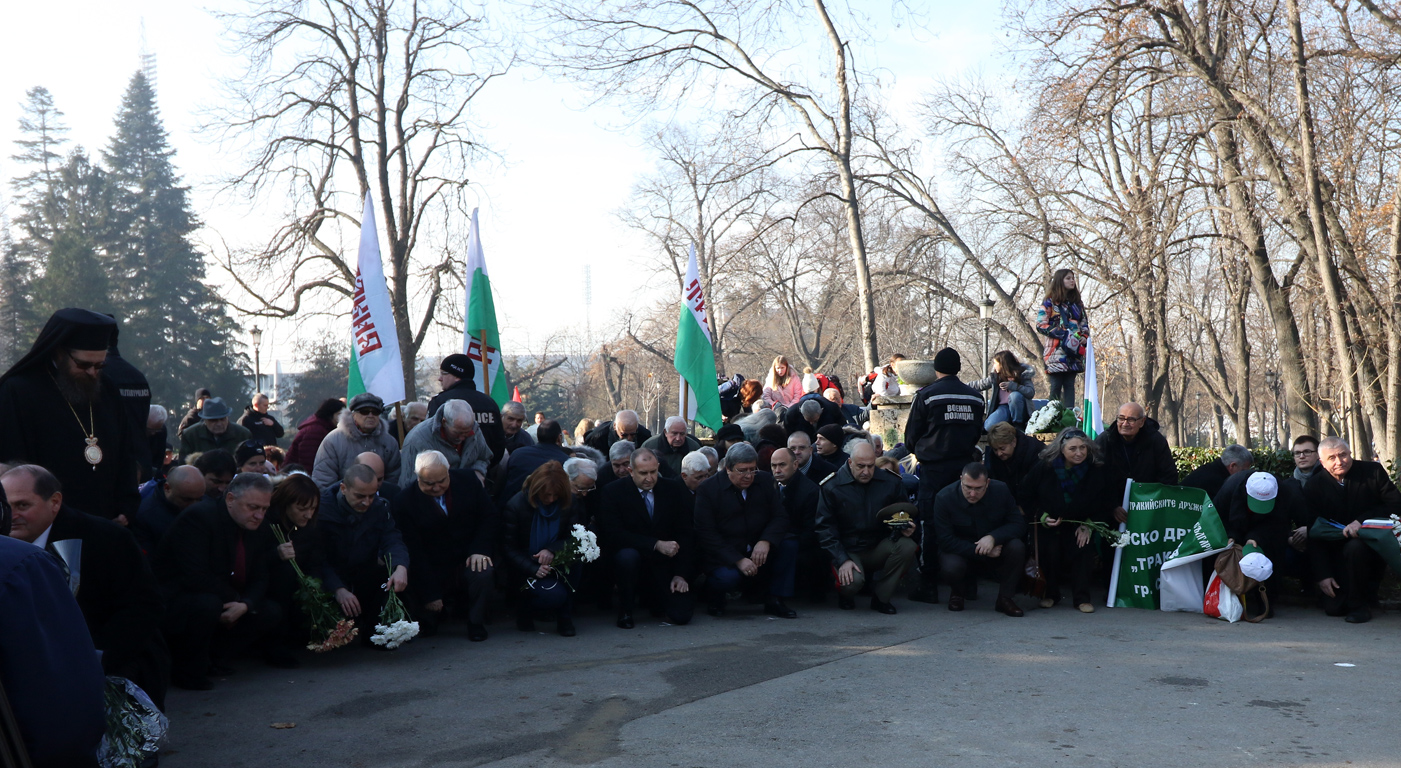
(43, 540)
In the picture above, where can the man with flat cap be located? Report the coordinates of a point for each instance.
(57, 411)
(943, 428)
(458, 378)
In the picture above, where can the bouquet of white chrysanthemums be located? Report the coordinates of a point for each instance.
(580, 547)
(394, 627)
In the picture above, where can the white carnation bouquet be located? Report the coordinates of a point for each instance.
(394, 627)
(580, 547)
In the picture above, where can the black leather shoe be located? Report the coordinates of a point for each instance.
(925, 595)
(1009, 606)
(955, 602)
(885, 608)
(776, 607)
(1359, 616)
(565, 627)
(846, 603)
(476, 632)
(525, 622)
(625, 620)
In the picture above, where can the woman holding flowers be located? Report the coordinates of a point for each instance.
(1064, 497)
(536, 525)
(293, 515)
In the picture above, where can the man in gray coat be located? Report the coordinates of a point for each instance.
(360, 430)
(452, 431)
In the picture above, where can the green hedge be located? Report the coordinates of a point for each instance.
(1279, 463)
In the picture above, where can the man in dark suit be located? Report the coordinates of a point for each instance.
(183, 488)
(743, 532)
(815, 467)
(213, 567)
(647, 522)
(449, 526)
(1348, 571)
(814, 569)
(110, 577)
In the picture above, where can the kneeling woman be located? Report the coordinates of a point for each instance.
(536, 524)
(1069, 483)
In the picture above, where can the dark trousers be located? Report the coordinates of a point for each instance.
(1358, 569)
(364, 581)
(550, 594)
(934, 476)
(778, 573)
(463, 590)
(651, 573)
(1061, 554)
(196, 637)
(149, 668)
(1006, 568)
(814, 568)
(1062, 388)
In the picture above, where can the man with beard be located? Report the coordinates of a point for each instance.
(57, 411)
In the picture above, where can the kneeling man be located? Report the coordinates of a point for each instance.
(851, 512)
(978, 527)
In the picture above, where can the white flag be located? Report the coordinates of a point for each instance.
(1091, 418)
(375, 364)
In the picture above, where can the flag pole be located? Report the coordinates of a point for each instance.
(685, 399)
(399, 419)
(486, 367)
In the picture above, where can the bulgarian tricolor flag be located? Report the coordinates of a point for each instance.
(375, 365)
(480, 340)
(695, 355)
(1091, 418)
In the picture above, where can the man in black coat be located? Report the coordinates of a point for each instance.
(647, 522)
(363, 547)
(135, 392)
(744, 533)
(1212, 475)
(978, 527)
(57, 411)
(943, 428)
(183, 488)
(457, 378)
(110, 577)
(213, 567)
(1349, 571)
(799, 492)
(851, 515)
(672, 446)
(547, 448)
(1011, 454)
(624, 426)
(816, 416)
(449, 527)
(1133, 447)
(810, 464)
(259, 423)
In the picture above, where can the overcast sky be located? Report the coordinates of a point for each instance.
(547, 206)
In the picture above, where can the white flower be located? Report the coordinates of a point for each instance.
(1043, 417)
(1121, 542)
(394, 635)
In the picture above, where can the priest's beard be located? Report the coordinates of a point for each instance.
(77, 390)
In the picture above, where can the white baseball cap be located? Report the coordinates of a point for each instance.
(1260, 490)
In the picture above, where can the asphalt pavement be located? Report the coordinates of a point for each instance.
(831, 688)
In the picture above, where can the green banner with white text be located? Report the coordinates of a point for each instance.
(1165, 521)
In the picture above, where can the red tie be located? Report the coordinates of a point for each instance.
(240, 565)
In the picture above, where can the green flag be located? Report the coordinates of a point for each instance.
(1165, 522)
(695, 356)
(480, 340)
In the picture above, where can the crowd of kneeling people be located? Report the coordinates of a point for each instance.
(764, 517)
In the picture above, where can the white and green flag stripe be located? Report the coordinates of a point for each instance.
(1091, 418)
(480, 339)
(375, 364)
(695, 354)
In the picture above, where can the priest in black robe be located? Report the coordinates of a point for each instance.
(57, 410)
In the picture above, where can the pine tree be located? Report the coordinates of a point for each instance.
(73, 276)
(175, 328)
(40, 160)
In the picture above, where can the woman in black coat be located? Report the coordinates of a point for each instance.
(536, 524)
(295, 502)
(1069, 483)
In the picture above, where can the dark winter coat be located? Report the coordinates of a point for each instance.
(728, 525)
(848, 512)
(264, 434)
(354, 540)
(626, 524)
(516, 519)
(197, 556)
(945, 423)
(308, 439)
(1015, 469)
(440, 542)
(959, 525)
(1148, 459)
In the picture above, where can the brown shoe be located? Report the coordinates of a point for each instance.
(1008, 606)
(955, 602)
(1086, 608)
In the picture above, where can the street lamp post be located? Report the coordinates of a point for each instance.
(985, 312)
(1198, 425)
(257, 336)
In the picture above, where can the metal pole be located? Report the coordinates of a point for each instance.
(257, 371)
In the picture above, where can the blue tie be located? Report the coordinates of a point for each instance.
(647, 497)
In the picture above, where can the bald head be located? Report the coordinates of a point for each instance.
(184, 486)
(373, 461)
(1130, 421)
(862, 461)
(783, 465)
(625, 424)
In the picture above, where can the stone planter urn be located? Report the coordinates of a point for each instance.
(914, 374)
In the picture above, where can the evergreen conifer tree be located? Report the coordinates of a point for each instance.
(175, 327)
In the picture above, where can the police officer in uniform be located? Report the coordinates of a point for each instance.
(945, 422)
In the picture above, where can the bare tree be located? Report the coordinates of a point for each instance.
(665, 49)
(373, 90)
